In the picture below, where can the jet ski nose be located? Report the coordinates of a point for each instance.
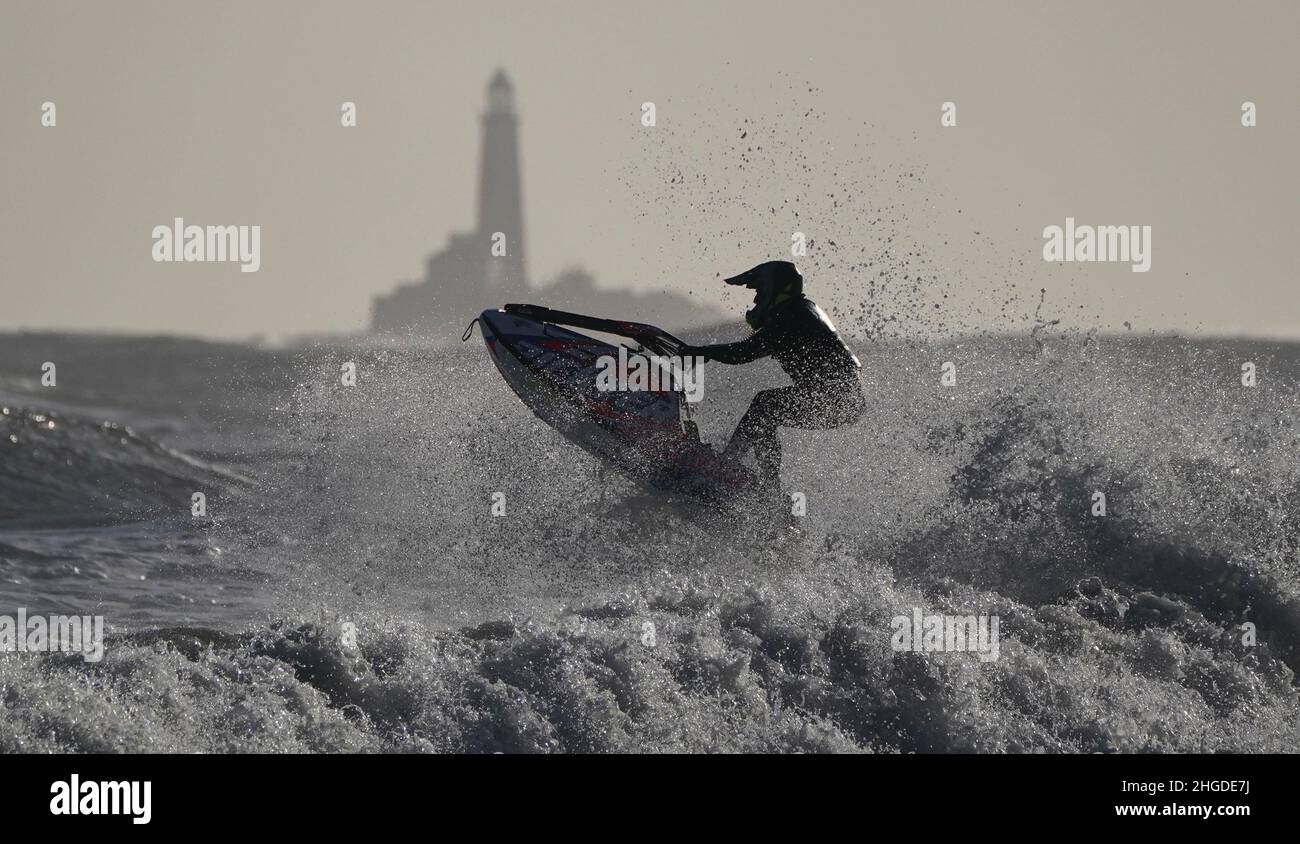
(492, 319)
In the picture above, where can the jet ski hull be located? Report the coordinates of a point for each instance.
(642, 433)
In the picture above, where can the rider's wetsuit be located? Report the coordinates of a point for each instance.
(825, 393)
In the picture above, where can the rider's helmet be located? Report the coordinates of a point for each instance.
(773, 283)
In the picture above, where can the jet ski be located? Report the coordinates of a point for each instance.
(647, 434)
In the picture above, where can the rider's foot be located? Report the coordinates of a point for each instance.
(781, 518)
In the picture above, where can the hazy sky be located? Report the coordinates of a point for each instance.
(228, 113)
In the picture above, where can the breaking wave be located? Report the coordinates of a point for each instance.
(591, 617)
(63, 470)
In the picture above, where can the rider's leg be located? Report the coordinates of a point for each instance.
(769, 410)
(792, 407)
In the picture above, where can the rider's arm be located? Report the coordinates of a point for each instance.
(744, 351)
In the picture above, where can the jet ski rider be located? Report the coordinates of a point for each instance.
(791, 328)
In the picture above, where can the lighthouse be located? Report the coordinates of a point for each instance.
(484, 267)
(500, 195)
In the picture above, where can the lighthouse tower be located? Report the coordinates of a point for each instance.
(500, 195)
